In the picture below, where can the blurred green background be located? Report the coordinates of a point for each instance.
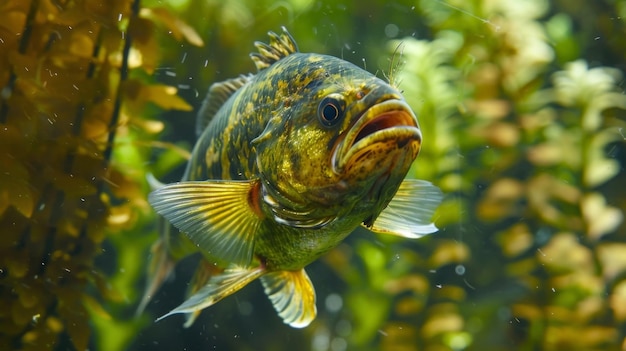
(522, 107)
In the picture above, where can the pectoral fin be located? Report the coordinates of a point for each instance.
(409, 214)
(217, 288)
(292, 295)
(220, 217)
(153, 182)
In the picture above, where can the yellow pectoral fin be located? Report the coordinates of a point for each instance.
(220, 217)
(217, 288)
(153, 182)
(292, 295)
(409, 214)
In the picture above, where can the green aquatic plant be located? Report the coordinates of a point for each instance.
(521, 105)
(525, 170)
(72, 95)
(523, 158)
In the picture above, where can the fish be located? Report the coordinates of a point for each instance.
(288, 162)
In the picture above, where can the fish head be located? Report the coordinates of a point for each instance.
(340, 139)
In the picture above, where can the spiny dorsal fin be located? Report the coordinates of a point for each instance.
(216, 97)
(280, 46)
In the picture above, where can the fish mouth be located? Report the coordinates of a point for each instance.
(390, 123)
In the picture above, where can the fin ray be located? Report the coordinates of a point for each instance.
(215, 99)
(217, 216)
(164, 255)
(153, 182)
(292, 295)
(409, 214)
(201, 277)
(160, 267)
(218, 287)
(279, 46)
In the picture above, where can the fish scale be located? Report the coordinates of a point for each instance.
(288, 163)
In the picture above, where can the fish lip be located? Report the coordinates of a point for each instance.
(389, 119)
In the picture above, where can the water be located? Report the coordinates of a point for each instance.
(521, 105)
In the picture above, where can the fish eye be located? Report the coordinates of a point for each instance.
(330, 111)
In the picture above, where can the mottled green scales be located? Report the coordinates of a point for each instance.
(288, 163)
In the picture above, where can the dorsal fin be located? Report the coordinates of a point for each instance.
(216, 97)
(280, 46)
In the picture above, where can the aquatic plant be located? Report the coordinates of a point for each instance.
(74, 90)
(522, 108)
(523, 158)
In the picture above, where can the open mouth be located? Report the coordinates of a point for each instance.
(388, 121)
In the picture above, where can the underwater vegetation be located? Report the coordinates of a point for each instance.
(74, 94)
(522, 109)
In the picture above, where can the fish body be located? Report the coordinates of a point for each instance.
(287, 164)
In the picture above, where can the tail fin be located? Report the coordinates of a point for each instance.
(160, 268)
(161, 263)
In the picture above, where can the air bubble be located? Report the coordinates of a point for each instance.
(333, 302)
(391, 30)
